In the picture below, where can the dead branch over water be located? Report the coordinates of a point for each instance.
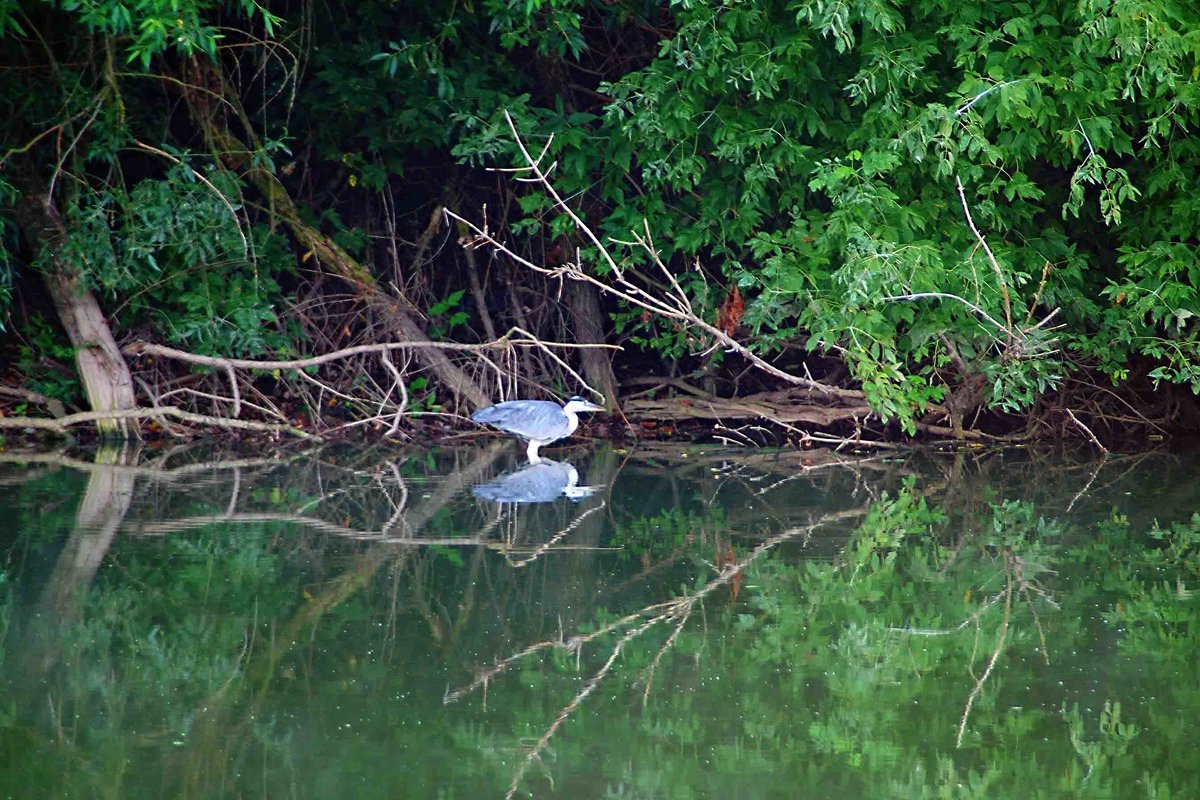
(672, 304)
(64, 424)
(229, 408)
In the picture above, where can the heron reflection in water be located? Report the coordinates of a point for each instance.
(541, 482)
(539, 421)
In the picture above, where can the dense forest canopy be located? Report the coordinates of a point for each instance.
(917, 210)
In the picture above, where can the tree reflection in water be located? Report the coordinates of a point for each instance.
(708, 623)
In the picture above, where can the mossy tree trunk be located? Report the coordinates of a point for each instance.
(209, 114)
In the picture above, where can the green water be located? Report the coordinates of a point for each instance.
(371, 624)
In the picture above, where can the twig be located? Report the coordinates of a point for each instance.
(958, 112)
(398, 383)
(550, 543)
(1091, 150)
(683, 618)
(233, 388)
(187, 390)
(162, 527)
(566, 712)
(1037, 621)
(990, 255)
(948, 296)
(677, 610)
(144, 348)
(62, 160)
(482, 678)
(1086, 486)
(1087, 431)
(155, 473)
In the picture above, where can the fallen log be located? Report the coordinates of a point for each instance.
(789, 406)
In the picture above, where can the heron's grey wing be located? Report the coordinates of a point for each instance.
(533, 419)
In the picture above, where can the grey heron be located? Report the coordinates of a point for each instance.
(539, 421)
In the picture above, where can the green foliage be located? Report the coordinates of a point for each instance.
(421, 397)
(890, 522)
(153, 27)
(447, 314)
(660, 535)
(160, 233)
(174, 255)
(549, 26)
(47, 361)
(9, 21)
(354, 240)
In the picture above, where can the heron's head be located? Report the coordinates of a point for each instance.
(577, 404)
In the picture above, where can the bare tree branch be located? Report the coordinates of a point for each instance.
(675, 305)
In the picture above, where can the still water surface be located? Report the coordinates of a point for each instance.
(654, 623)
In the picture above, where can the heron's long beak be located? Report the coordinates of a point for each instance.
(590, 406)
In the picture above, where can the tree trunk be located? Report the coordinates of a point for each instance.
(102, 370)
(104, 373)
(587, 321)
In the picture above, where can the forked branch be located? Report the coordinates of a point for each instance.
(673, 304)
